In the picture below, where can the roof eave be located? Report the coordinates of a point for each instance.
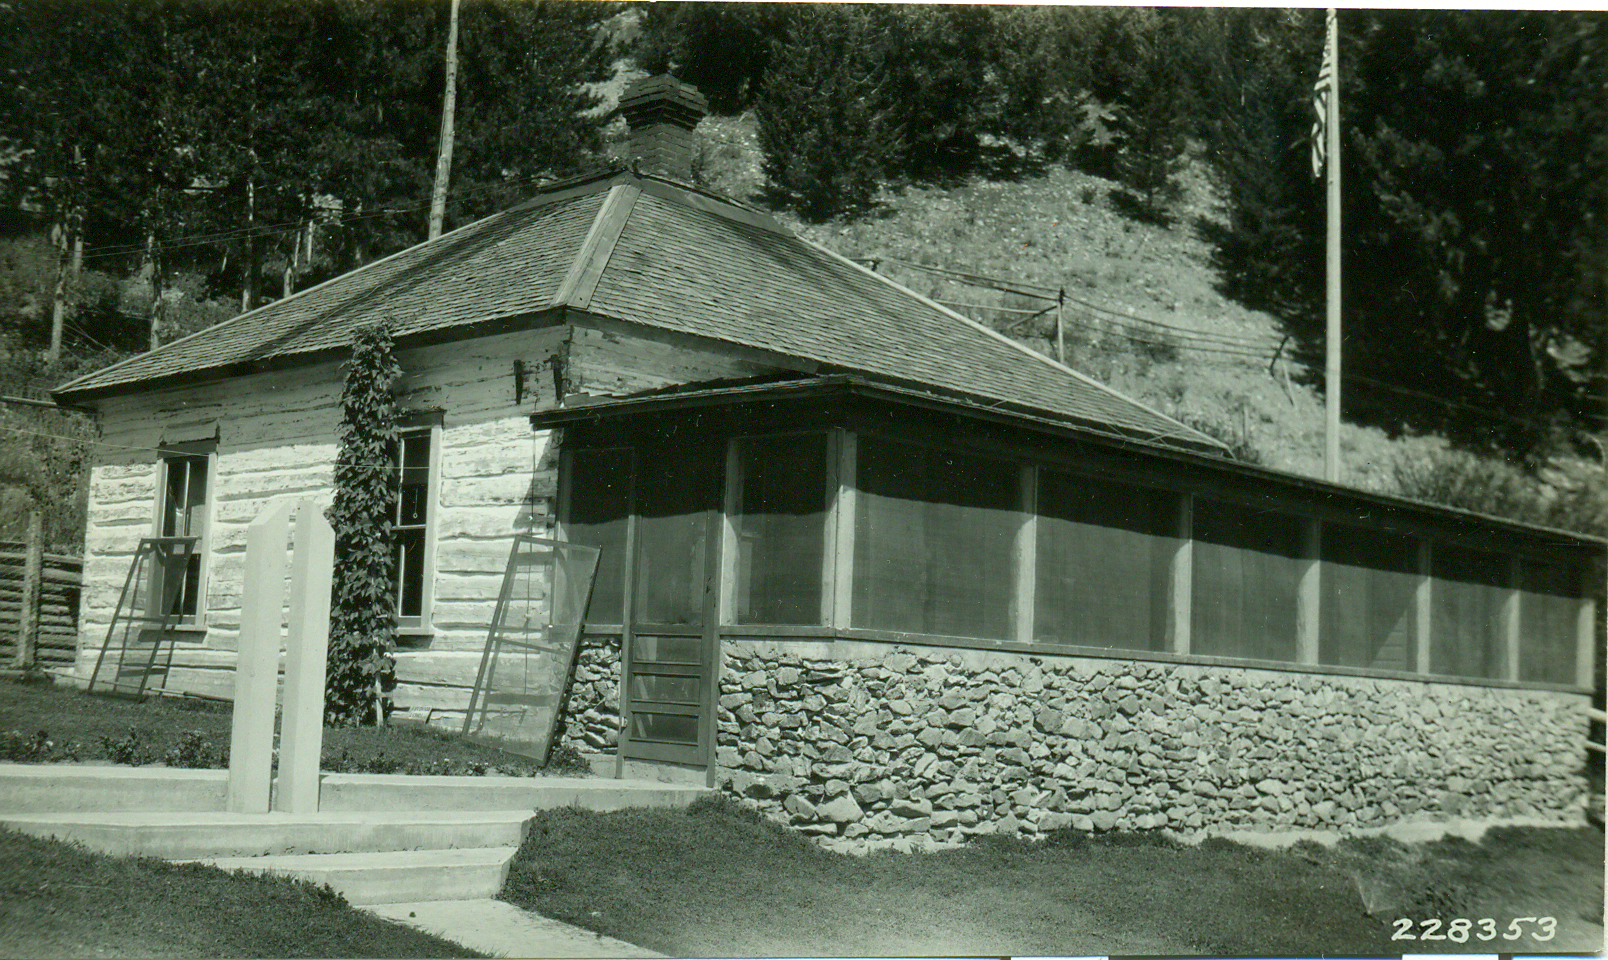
(546, 317)
(854, 384)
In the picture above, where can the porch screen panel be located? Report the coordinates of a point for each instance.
(1549, 603)
(599, 505)
(1466, 634)
(1104, 553)
(934, 538)
(1367, 610)
(780, 525)
(675, 489)
(1246, 574)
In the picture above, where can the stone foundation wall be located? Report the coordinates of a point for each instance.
(924, 746)
(592, 712)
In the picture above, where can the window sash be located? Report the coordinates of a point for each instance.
(184, 513)
(410, 524)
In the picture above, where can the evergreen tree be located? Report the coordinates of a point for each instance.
(825, 121)
(1475, 173)
(723, 49)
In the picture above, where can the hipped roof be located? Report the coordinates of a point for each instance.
(651, 252)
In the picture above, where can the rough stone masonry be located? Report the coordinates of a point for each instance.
(926, 747)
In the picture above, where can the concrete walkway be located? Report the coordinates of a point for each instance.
(504, 930)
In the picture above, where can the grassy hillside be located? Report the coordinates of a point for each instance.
(1143, 313)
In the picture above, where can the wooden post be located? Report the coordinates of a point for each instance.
(1025, 601)
(843, 541)
(726, 518)
(1512, 605)
(32, 572)
(1585, 636)
(1182, 586)
(829, 544)
(1424, 605)
(301, 735)
(1309, 594)
(257, 660)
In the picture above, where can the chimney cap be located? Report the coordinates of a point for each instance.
(663, 99)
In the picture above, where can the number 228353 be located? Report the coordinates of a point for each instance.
(1462, 931)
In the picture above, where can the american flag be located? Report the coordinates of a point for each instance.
(1320, 100)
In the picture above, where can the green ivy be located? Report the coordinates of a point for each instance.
(362, 628)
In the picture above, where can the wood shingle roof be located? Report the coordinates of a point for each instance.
(654, 253)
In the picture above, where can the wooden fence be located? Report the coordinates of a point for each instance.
(55, 641)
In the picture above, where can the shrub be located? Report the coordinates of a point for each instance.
(1236, 438)
(195, 752)
(1499, 488)
(18, 747)
(567, 759)
(131, 749)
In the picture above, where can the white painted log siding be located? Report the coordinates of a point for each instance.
(276, 436)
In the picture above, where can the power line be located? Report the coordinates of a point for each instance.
(1123, 325)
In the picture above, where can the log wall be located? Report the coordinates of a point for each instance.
(275, 436)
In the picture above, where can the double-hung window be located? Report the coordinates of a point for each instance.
(183, 507)
(415, 506)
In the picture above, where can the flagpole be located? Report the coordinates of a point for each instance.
(1331, 365)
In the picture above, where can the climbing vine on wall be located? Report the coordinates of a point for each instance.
(362, 629)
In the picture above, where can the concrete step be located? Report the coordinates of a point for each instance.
(390, 877)
(73, 788)
(81, 788)
(356, 791)
(181, 836)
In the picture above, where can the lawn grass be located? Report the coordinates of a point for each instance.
(42, 722)
(59, 900)
(716, 880)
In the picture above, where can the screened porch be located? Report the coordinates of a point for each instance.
(871, 515)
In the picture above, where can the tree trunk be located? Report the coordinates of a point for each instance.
(153, 259)
(58, 309)
(449, 100)
(251, 261)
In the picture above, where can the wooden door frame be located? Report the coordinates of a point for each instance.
(709, 633)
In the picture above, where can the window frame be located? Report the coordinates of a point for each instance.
(868, 438)
(429, 425)
(189, 451)
(729, 546)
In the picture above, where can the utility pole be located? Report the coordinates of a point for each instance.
(449, 102)
(1331, 364)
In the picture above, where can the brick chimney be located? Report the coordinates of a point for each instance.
(662, 112)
